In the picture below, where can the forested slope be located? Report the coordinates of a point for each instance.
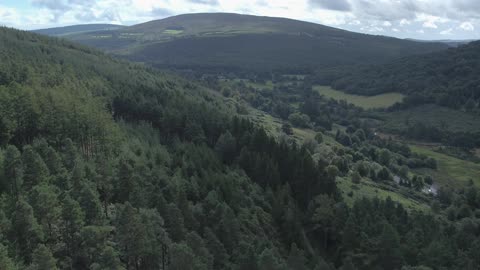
(233, 42)
(106, 164)
(448, 78)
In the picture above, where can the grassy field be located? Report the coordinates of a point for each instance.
(367, 102)
(173, 32)
(371, 189)
(432, 115)
(451, 171)
(268, 85)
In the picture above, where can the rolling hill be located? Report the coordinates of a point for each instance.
(232, 41)
(77, 29)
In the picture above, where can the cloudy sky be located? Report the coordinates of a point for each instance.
(421, 19)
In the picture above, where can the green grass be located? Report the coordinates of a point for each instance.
(371, 189)
(173, 32)
(432, 115)
(367, 102)
(450, 170)
(268, 85)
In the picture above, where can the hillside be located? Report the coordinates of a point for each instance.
(448, 78)
(77, 29)
(106, 164)
(231, 41)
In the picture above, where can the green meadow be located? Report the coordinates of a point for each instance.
(367, 102)
(370, 189)
(450, 170)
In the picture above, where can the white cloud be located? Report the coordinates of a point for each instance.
(405, 22)
(467, 26)
(447, 32)
(401, 18)
(430, 21)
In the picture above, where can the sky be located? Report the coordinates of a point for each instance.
(419, 19)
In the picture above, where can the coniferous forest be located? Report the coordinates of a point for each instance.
(111, 165)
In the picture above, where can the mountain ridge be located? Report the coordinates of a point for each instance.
(246, 42)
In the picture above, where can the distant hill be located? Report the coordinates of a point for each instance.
(232, 41)
(76, 29)
(449, 42)
(449, 78)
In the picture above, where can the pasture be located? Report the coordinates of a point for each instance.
(367, 102)
(450, 170)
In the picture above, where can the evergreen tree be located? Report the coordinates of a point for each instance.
(175, 223)
(43, 259)
(89, 200)
(109, 259)
(26, 231)
(35, 170)
(182, 258)
(296, 259)
(6, 263)
(13, 170)
(348, 265)
(197, 244)
(73, 220)
(226, 147)
(217, 249)
(389, 256)
(269, 261)
(46, 207)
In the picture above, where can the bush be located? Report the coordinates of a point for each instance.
(299, 120)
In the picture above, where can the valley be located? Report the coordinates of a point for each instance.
(227, 141)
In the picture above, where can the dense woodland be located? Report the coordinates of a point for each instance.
(447, 78)
(106, 164)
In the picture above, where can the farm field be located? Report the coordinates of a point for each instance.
(369, 189)
(450, 170)
(367, 102)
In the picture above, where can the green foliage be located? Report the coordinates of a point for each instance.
(299, 120)
(6, 262)
(431, 78)
(43, 259)
(159, 173)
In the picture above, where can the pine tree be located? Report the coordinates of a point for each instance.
(131, 235)
(296, 259)
(389, 256)
(197, 244)
(175, 223)
(27, 232)
(109, 259)
(226, 147)
(350, 233)
(13, 167)
(348, 265)
(6, 263)
(47, 207)
(269, 261)
(89, 200)
(217, 249)
(182, 258)
(35, 170)
(73, 220)
(43, 259)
